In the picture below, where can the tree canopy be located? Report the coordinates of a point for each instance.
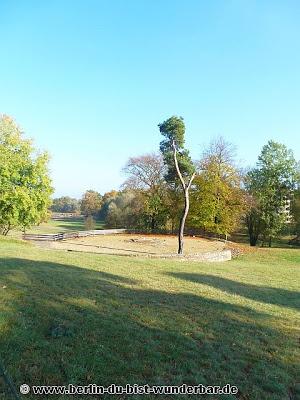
(25, 185)
(91, 202)
(173, 130)
(65, 204)
(217, 199)
(145, 172)
(271, 183)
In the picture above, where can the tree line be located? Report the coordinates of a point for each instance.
(223, 197)
(165, 191)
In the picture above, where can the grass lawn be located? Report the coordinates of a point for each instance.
(56, 226)
(86, 318)
(63, 225)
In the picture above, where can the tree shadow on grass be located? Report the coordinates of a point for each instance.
(64, 324)
(265, 294)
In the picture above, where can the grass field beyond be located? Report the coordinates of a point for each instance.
(86, 318)
(58, 225)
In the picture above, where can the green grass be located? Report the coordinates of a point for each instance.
(83, 318)
(56, 226)
(64, 225)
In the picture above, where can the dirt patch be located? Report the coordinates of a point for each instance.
(138, 245)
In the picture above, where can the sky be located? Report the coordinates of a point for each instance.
(89, 80)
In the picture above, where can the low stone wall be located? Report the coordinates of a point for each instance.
(213, 256)
(210, 256)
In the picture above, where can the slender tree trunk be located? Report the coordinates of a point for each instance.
(6, 230)
(253, 240)
(186, 188)
(152, 224)
(254, 228)
(182, 220)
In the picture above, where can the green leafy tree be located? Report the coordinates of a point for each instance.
(253, 219)
(174, 204)
(295, 210)
(124, 210)
(217, 199)
(91, 203)
(155, 212)
(65, 204)
(106, 200)
(25, 185)
(271, 183)
(180, 168)
(146, 179)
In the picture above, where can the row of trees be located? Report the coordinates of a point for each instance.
(89, 205)
(213, 195)
(168, 191)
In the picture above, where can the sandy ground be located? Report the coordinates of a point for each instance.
(139, 245)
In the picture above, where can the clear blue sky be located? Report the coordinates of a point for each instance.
(90, 80)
